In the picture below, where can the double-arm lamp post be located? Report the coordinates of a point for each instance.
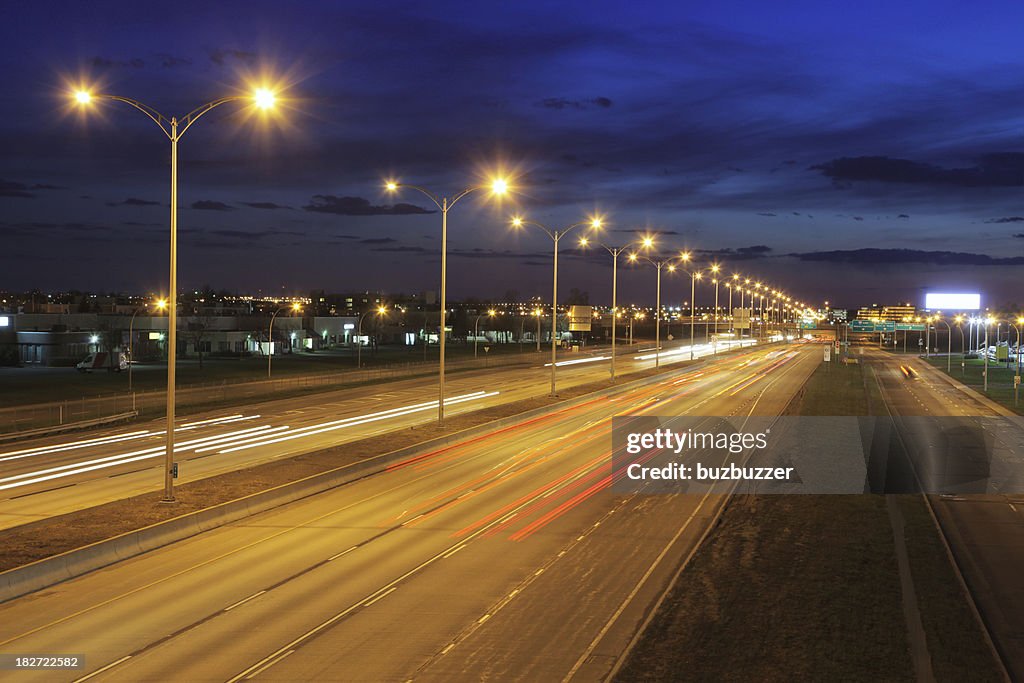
(294, 308)
(555, 235)
(659, 263)
(497, 187)
(644, 243)
(174, 128)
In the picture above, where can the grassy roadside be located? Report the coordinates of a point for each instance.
(807, 587)
(48, 537)
(1000, 379)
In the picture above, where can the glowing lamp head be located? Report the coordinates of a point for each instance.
(160, 304)
(499, 186)
(648, 242)
(263, 98)
(492, 313)
(517, 222)
(391, 186)
(584, 241)
(632, 258)
(715, 268)
(83, 97)
(296, 306)
(697, 276)
(595, 223)
(684, 256)
(671, 267)
(381, 310)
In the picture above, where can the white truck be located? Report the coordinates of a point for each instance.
(101, 360)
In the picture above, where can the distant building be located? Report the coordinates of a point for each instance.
(894, 313)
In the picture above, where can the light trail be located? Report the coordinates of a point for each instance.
(577, 361)
(120, 459)
(362, 419)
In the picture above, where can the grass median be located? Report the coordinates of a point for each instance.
(807, 588)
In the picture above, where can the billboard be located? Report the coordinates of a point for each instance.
(944, 301)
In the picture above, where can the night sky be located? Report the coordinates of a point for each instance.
(857, 152)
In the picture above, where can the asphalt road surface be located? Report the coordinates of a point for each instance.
(985, 531)
(503, 558)
(52, 476)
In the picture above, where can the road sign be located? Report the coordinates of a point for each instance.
(828, 354)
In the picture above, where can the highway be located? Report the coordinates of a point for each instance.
(984, 530)
(502, 558)
(52, 476)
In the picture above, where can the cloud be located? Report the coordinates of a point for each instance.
(877, 257)
(1005, 169)
(9, 188)
(1020, 235)
(250, 236)
(357, 206)
(106, 63)
(766, 213)
(169, 61)
(405, 249)
(377, 240)
(134, 201)
(265, 205)
(739, 254)
(210, 205)
(220, 57)
(563, 103)
(1007, 219)
(646, 231)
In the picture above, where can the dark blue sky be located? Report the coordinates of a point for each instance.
(812, 131)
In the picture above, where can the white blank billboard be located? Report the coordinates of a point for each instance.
(938, 301)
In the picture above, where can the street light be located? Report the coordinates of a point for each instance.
(949, 353)
(174, 129)
(160, 305)
(714, 270)
(537, 313)
(476, 327)
(380, 310)
(658, 265)
(498, 187)
(555, 235)
(694, 276)
(294, 308)
(644, 243)
(963, 348)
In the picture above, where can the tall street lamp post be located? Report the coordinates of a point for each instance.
(714, 278)
(497, 187)
(160, 305)
(295, 307)
(476, 327)
(380, 310)
(645, 243)
(658, 265)
(555, 235)
(174, 128)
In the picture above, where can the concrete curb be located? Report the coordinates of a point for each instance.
(973, 393)
(52, 570)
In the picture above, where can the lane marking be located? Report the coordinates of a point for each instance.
(244, 600)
